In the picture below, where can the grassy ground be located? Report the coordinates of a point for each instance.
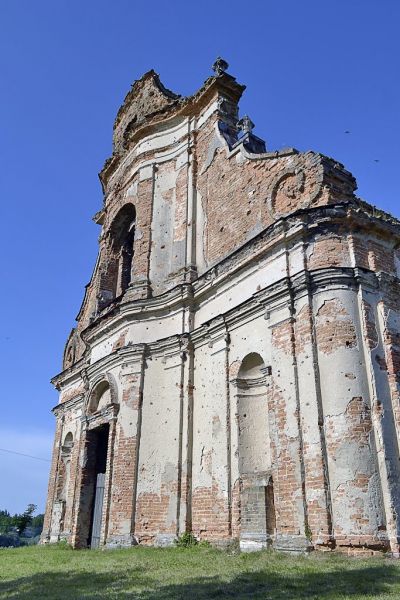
(59, 573)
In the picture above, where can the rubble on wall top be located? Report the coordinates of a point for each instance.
(149, 102)
(154, 79)
(375, 212)
(168, 99)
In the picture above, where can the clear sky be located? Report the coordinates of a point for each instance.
(313, 71)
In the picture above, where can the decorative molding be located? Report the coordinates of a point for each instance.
(184, 296)
(106, 415)
(251, 383)
(67, 406)
(290, 228)
(295, 190)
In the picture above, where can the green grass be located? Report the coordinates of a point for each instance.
(60, 573)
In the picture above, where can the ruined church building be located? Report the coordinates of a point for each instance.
(234, 370)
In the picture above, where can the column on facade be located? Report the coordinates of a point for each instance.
(211, 481)
(124, 440)
(385, 421)
(234, 479)
(81, 515)
(316, 484)
(109, 479)
(184, 500)
(162, 499)
(286, 434)
(51, 494)
(355, 487)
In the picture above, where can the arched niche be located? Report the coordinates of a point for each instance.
(252, 403)
(100, 397)
(64, 467)
(117, 258)
(70, 351)
(254, 454)
(68, 440)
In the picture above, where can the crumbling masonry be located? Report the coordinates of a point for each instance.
(235, 367)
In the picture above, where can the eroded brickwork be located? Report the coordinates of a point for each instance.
(234, 369)
(335, 328)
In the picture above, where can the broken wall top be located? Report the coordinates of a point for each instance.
(147, 97)
(166, 145)
(149, 103)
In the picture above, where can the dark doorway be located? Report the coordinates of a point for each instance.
(98, 439)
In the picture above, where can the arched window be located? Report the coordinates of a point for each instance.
(100, 397)
(116, 268)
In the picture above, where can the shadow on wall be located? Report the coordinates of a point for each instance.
(369, 582)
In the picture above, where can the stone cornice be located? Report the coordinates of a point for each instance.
(270, 298)
(247, 384)
(67, 406)
(102, 417)
(131, 353)
(287, 230)
(173, 300)
(73, 373)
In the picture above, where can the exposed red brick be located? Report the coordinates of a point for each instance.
(335, 328)
(329, 252)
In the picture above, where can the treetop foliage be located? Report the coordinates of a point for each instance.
(20, 521)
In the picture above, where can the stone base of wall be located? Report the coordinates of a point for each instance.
(252, 545)
(165, 540)
(121, 541)
(361, 545)
(252, 542)
(295, 544)
(44, 539)
(247, 543)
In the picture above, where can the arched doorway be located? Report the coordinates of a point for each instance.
(100, 410)
(254, 455)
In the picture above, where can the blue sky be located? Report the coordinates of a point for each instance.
(313, 70)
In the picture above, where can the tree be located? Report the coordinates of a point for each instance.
(21, 522)
(6, 521)
(37, 521)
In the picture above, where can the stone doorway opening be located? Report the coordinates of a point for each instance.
(96, 474)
